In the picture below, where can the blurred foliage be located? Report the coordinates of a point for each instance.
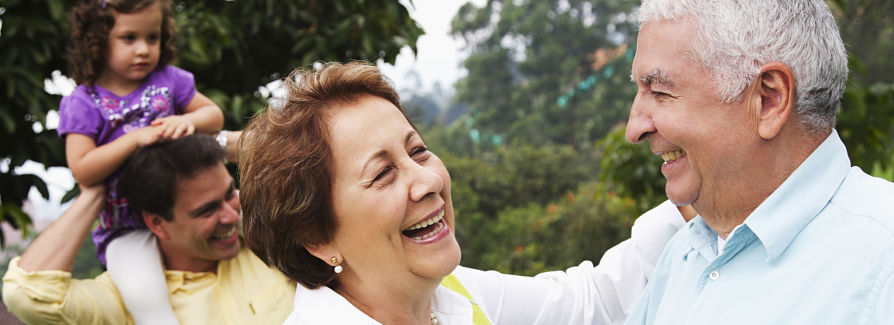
(866, 124)
(867, 28)
(232, 48)
(866, 120)
(580, 226)
(526, 55)
(30, 49)
(632, 170)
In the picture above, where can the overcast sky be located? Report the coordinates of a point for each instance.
(439, 55)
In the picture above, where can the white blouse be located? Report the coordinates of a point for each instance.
(584, 294)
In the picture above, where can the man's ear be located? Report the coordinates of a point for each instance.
(157, 225)
(776, 88)
(325, 252)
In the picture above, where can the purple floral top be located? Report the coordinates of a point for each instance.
(104, 116)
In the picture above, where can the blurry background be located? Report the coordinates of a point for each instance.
(525, 101)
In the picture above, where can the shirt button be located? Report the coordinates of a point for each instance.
(714, 275)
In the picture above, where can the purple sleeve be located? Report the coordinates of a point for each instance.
(184, 87)
(78, 114)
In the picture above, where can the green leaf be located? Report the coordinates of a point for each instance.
(71, 193)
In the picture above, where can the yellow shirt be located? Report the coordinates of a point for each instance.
(244, 291)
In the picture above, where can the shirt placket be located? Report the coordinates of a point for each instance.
(713, 272)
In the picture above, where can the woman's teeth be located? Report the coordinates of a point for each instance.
(427, 228)
(672, 155)
(427, 222)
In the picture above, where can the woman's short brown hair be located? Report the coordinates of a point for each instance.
(285, 168)
(91, 23)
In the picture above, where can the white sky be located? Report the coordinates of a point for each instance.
(439, 55)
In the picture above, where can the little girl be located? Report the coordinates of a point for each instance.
(128, 96)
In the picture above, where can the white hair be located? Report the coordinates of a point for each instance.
(736, 37)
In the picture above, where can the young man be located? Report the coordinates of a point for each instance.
(188, 201)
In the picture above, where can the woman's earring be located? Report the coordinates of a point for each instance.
(337, 267)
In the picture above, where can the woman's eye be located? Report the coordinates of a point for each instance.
(418, 150)
(382, 174)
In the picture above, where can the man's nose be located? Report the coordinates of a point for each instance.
(229, 213)
(640, 124)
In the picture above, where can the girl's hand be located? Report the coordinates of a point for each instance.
(175, 126)
(92, 192)
(148, 135)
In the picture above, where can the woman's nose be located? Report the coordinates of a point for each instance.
(423, 181)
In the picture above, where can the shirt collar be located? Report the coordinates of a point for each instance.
(801, 197)
(701, 238)
(325, 306)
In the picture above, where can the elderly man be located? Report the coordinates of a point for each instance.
(188, 201)
(739, 98)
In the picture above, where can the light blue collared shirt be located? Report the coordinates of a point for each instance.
(819, 250)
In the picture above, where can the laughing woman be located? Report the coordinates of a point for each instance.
(341, 194)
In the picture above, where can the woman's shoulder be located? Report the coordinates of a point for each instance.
(323, 305)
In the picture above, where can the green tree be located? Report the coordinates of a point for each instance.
(866, 120)
(512, 176)
(579, 226)
(867, 28)
(232, 47)
(546, 71)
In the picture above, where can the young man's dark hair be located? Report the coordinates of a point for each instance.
(149, 180)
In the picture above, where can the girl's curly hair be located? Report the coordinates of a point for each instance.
(91, 22)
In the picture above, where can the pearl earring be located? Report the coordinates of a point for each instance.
(337, 267)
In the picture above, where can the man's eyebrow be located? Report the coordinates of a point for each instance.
(656, 76)
(211, 205)
(205, 208)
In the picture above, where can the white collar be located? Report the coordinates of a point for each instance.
(325, 306)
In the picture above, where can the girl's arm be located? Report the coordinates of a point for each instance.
(201, 114)
(90, 165)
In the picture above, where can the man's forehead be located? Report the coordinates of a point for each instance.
(666, 66)
(207, 185)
